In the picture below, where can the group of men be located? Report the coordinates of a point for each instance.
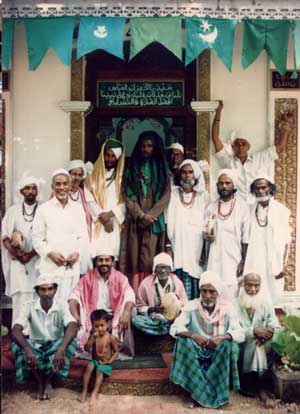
(151, 230)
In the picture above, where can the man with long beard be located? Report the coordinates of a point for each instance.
(258, 319)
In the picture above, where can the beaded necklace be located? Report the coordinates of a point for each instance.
(187, 204)
(227, 215)
(262, 222)
(29, 217)
(74, 198)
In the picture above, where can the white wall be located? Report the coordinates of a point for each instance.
(40, 129)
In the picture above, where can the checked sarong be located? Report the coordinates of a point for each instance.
(206, 374)
(44, 354)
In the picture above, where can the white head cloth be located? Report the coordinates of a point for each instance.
(177, 146)
(27, 180)
(102, 250)
(262, 175)
(210, 277)
(45, 279)
(78, 164)
(162, 259)
(117, 152)
(60, 171)
(200, 185)
(230, 173)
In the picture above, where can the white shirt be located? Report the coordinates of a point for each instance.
(44, 326)
(103, 295)
(247, 172)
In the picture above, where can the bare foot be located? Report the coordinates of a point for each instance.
(82, 397)
(48, 392)
(93, 399)
(189, 403)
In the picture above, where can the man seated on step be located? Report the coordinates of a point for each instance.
(258, 319)
(106, 288)
(160, 298)
(206, 351)
(51, 343)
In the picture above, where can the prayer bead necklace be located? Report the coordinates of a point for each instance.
(74, 198)
(261, 221)
(187, 204)
(101, 349)
(225, 216)
(28, 217)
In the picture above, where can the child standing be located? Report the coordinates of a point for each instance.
(104, 349)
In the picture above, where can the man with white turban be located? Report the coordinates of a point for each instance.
(227, 233)
(160, 297)
(175, 157)
(103, 194)
(59, 233)
(269, 239)
(185, 224)
(246, 166)
(18, 254)
(206, 351)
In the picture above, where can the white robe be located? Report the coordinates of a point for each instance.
(225, 251)
(185, 227)
(110, 240)
(62, 230)
(266, 248)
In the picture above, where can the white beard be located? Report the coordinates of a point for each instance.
(250, 302)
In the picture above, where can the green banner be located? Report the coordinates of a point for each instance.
(45, 33)
(7, 41)
(215, 34)
(165, 30)
(270, 35)
(296, 38)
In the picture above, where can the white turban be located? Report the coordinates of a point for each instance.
(102, 250)
(210, 277)
(60, 171)
(200, 186)
(162, 259)
(27, 180)
(45, 279)
(262, 175)
(231, 174)
(78, 164)
(117, 152)
(177, 146)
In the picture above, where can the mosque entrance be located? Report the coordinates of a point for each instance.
(151, 92)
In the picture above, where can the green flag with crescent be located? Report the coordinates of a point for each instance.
(269, 35)
(215, 34)
(165, 30)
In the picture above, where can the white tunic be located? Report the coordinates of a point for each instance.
(267, 246)
(18, 277)
(225, 250)
(111, 240)
(184, 227)
(63, 230)
(247, 172)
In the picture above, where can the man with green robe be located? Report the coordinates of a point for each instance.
(147, 193)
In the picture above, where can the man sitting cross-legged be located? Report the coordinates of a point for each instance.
(104, 288)
(257, 317)
(51, 342)
(206, 350)
(160, 298)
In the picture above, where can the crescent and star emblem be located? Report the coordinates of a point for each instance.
(209, 37)
(100, 32)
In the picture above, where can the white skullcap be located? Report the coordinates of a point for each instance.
(210, 277)
(102, 250)
(117, 151)
(177, 146)
(45, 279)
(60, 171)
(77, 164)
(262, 175)
(162, 259)
(230, 173)
(27, 180)
(200, 186)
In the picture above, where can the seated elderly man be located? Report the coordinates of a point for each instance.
(160, 298)
(206, 350)
(258, 319)
(51, 342)
(104, 288)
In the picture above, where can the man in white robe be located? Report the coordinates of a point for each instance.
(103, 195)
(270, 237)
(18, 263)
(58, 234)
(185, 224)
(236, 156)
(258, 319)
(228, 218)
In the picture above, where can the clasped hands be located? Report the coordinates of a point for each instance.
(210, 343)
(60, 260)
(262, 334)
(106, 221)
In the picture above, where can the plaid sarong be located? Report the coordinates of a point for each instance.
(191, 284)
(151, 326)
(105, 368)
(44, 354)
(206, 374)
